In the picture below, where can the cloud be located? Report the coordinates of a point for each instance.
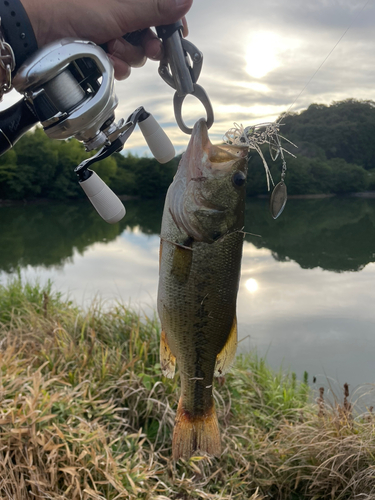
(291, 39)
(258, 58)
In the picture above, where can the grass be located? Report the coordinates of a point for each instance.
(85, 414)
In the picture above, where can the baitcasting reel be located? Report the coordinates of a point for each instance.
(68, 86)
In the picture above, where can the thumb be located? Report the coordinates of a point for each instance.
(145, 13)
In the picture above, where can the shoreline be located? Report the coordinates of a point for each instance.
(300, 196)
(125, 197)
(44, 201)
(361, 194)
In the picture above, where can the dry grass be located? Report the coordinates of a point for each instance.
(85, 414)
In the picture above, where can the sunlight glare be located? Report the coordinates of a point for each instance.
(251, 285)
(256, 86)
(261, 56)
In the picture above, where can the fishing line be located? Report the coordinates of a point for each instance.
(253, 137)
(324, 60)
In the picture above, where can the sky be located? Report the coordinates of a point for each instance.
(258, 58)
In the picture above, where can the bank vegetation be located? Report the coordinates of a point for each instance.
(86, 414)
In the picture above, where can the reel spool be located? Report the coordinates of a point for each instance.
(68, 87)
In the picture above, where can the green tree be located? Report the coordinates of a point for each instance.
(343, 130)
(123, 181)
(65, 183)
(36, 159)
(347, 178)
(8, 170)
(152, 179)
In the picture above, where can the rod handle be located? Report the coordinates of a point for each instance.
(14, 122)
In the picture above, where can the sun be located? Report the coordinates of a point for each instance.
(251, 285)
(261, 54)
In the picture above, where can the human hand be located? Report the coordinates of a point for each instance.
(106, 22)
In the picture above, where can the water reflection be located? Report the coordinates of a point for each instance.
(51, 234)
(313, 320)
(290, 304)
(336, 234)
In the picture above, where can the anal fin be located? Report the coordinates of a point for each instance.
(167, 360)
(225, 358)
(195, 434)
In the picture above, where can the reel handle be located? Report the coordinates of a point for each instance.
(157, 140)
(14, 122)
(103, 199)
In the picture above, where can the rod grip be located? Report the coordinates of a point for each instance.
(14, 122)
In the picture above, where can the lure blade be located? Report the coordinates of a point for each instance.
(274, 150)
(278, 200)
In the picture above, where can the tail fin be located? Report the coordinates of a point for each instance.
(193, 434)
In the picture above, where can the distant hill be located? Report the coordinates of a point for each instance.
(336, 150)
(346, 130)
(336, 154)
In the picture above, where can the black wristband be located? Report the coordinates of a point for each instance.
(17, 30)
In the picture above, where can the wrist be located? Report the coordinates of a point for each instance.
(49, 19)
(33, 9)
(17, 35)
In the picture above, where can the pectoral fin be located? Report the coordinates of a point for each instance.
(167, 360)
(181, 265)
(225, 358)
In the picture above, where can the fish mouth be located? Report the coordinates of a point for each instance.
(201, 153)
(197, 151)
(191, 198)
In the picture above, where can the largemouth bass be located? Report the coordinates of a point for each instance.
(200, 259)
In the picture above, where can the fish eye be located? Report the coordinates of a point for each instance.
(238, 179)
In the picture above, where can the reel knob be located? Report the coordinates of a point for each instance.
(104, 200)
(157, 140)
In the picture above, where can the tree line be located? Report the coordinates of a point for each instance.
(336, 154)
(336, 150)
(38, 167)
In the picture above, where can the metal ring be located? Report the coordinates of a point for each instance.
(201, 95)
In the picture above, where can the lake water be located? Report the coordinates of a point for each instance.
(306, 297)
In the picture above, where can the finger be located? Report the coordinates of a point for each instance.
(185, 30)
(133, 55)
(144, 13)
(121, 68)
(152, 46)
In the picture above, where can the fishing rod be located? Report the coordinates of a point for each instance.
(323, 62)
(68, 87)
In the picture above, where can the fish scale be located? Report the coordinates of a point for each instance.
(206, 306)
